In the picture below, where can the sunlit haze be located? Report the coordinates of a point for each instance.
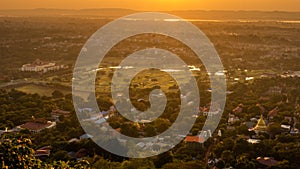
(154, 5)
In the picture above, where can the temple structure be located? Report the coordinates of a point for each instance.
(260, 126)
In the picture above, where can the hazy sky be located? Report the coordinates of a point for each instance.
(282, 5)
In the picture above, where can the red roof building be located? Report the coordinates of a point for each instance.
(238, 109)
(267, 161)
(44, 151)
(55, 114)
(37, 125)
(194, 139)
(40, 153)
(273, 113)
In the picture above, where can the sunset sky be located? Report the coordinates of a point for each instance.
(154, 5)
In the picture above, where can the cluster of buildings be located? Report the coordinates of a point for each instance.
(38, 124)
(258, 124)
(41, 66)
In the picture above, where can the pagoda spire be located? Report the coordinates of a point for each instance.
(261, 125)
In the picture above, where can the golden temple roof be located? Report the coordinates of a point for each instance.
(261, 125)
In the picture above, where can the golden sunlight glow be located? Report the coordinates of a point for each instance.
(156, 5)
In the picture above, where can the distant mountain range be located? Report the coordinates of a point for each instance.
(187, 14)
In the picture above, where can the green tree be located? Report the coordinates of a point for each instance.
(138, 164)
(17, 153)
(163, 159)
(57, 94)
(274, 129)
(244, 162)
(61, 155)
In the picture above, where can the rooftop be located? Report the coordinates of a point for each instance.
(191, 139)
(37, 124)
(261, 125)
(268, 161)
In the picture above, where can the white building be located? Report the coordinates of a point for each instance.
(40, 66)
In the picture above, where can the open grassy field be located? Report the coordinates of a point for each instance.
(42, 90)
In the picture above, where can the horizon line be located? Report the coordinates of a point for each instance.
(206, 10)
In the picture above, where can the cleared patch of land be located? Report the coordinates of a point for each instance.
(42, 90)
